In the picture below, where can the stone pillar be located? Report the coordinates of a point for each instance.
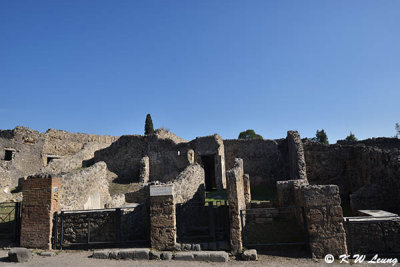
(144, 170)
(235, 190)
(40, 200)
(162, 217)
(247, 189)
(297, 163)
(324, 218)
(286, 191)
(190, 156)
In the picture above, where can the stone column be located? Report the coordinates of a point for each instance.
(40, 200)
(235, 190)
(247, 189)
(324, 218)
(144, 170)
(297, 163)
(162, 217)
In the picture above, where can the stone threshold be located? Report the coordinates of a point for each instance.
(147, 254)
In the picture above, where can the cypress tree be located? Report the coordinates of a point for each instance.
(148, 127)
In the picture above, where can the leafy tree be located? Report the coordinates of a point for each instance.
(249, 134)
(321, 137)
(351, 137)
(397, 126)
(148, 127)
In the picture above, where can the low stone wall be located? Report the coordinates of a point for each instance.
(373, 237)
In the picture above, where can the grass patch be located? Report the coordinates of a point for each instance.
(215, 196)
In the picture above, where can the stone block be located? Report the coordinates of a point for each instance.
(186, 246)
(126, 254)
(166, 255)
(219, 256)
(196, 247)
(249, 255)
(154, 255)
(184, 256)
(47, 254)
(19, 255)
(101, 254)
(141, 254)
(201, 256)
(114, 254)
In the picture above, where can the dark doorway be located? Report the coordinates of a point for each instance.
(8, 155)
(208, 162)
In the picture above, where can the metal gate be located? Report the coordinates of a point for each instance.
(271, 227)
(101, 228)
(202, 222)
(10, 222)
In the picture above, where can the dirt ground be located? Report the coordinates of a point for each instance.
(82, 258)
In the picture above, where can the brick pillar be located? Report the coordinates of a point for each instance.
(40, 201)
(247, 189)
(237, 203)
(324, 218)
(162, 218)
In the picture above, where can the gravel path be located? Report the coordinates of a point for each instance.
(81, 258)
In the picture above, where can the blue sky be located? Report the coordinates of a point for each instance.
(201, 67)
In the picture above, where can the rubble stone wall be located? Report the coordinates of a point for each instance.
(324, 219)
(369, 169)
(264, 160)
(85, 188)
(373, 237)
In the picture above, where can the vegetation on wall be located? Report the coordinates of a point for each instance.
(321, 137)
(249, 134)
(351, 137)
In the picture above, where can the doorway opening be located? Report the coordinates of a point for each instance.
(8, 154)
(208, 162)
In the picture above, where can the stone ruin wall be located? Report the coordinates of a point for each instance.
(264, 160)
(31, 149)
(86, 188)
(369, 170)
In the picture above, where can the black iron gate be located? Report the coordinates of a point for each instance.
(10, 222)
(274, 227)
(202, 222)
(101, 228)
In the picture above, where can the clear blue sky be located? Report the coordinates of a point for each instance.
(201, 67)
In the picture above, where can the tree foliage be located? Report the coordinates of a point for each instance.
(351, 137)
(321, 137)
(148, 126)
(249, 134)
(397, 126)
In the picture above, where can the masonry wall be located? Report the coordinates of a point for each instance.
(369, 169)
(264, 160)
(85, 188)
(368, 238)
(166, 158)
